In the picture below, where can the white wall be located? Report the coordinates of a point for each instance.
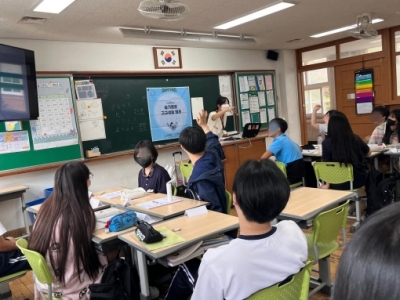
(71, 56)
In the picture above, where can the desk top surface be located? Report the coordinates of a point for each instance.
(318, 153)
(163, 212)
(261, 136)
(192, 229)
(305, 203)
(13, 189)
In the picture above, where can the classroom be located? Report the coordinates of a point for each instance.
(199, 131)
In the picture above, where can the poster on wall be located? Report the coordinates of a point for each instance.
(169, 112)
(364, 86)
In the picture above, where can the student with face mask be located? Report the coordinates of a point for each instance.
(379, 116)
(285, 150)
(217, 119)
(391, 134)
(152, 177)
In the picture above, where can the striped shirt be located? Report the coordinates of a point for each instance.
(379, 133)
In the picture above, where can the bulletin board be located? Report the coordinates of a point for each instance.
(256, 97)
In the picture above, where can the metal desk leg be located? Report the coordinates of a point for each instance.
(144, 281)
(391, 164)
(25, 216)
(376, 163)
(322, 284)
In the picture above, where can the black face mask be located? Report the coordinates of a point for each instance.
(144, 162)
(390, 122)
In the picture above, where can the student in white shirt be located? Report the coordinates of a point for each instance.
(217, 119)
(322, 128)
(262, 256)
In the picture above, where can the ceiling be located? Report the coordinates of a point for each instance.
(98, 21)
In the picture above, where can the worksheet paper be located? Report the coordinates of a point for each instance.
(260, 82)
(224, 85)
(197, 106)
(268, 82)
(270, 97)
(263, 115)
(252, 83)
(254, 105)
(111, 195)
(243, 84)
(158, 203)
(271, 114)
(11, 142)
(85, 89)
(261, 98)
(365, 108)
(245, 117)
(244, 101)
(91, 119)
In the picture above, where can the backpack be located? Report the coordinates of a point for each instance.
(380, 191)
(119, 282)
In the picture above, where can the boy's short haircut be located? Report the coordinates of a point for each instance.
(281, 123)
(193, 139)
(383, 111)
(261, 189)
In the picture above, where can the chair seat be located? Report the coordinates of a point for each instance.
(324, 249)
(296, 185)
(13, 276)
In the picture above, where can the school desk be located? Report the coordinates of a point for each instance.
(193, 230)
(394, 158)
(163, 212)
(16, 192)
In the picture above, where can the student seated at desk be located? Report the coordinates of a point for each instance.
(343, 146)
(11, 258)
(285, 150)
(387, 133)
(370, 263)
(207, 181)
(152, 177)
(63, 235)
(379, 116)
(262, 256)
(322, 128)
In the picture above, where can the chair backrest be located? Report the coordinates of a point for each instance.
(333, 172)
(174, 190)
(281, 167)
(295, 289)
(37, 263)
(327, 224)
(186, 170)
(228, 202)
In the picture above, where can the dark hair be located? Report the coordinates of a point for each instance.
(388, 132)
(281, 123)
(146, 144)
(220, 101)
(345, 148)
(261, 189)
(193, 139)
(67, 211)
(369, 265)
(331, 112)
(383, 111)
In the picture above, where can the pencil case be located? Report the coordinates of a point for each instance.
(122, 221)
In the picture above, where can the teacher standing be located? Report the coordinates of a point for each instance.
(217, 118)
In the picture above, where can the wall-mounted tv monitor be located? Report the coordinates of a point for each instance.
(18, 89)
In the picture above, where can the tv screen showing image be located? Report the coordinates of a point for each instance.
(18, 89)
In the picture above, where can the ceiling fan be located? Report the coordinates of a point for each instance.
(363, 30)
(169, 10)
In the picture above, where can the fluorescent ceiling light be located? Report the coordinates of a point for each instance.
(342, 29)
(256, 15)
(53, 6)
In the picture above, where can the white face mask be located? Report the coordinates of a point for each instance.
(224, 106)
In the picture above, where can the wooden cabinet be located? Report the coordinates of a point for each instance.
(237, 152)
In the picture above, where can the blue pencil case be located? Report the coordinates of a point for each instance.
(122, 221)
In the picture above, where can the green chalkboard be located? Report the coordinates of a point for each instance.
(125, 107)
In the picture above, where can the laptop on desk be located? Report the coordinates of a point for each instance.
(250, 130)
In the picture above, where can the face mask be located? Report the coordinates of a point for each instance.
(144, 162)
(225, 105)
(390, 122)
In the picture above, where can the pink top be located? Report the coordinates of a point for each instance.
(75, 288)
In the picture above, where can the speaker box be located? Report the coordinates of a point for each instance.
(272, 55)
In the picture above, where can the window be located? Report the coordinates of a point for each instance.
(397, 40)
(318, 56)
(319, 89)
(11, 80)
(397, 49)
(361, 47)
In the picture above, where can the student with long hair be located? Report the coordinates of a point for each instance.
(369, 265)
(63, 235)
(152, 177)
(217, 118)
(343, 146)
(391, 135)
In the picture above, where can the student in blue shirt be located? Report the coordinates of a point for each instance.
(285, 150)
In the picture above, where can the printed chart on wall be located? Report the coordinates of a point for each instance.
(256, 98)
(56, 126)
(364, 84)
(170, 112)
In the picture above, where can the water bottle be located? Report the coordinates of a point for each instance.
(319, 140)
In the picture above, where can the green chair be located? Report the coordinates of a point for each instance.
(5, 292)
(39, 266)
(334, 173)
(174, 190)
(228, 202)
(186, 170)
(294, 289)
(282, 167)
(322, 242)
